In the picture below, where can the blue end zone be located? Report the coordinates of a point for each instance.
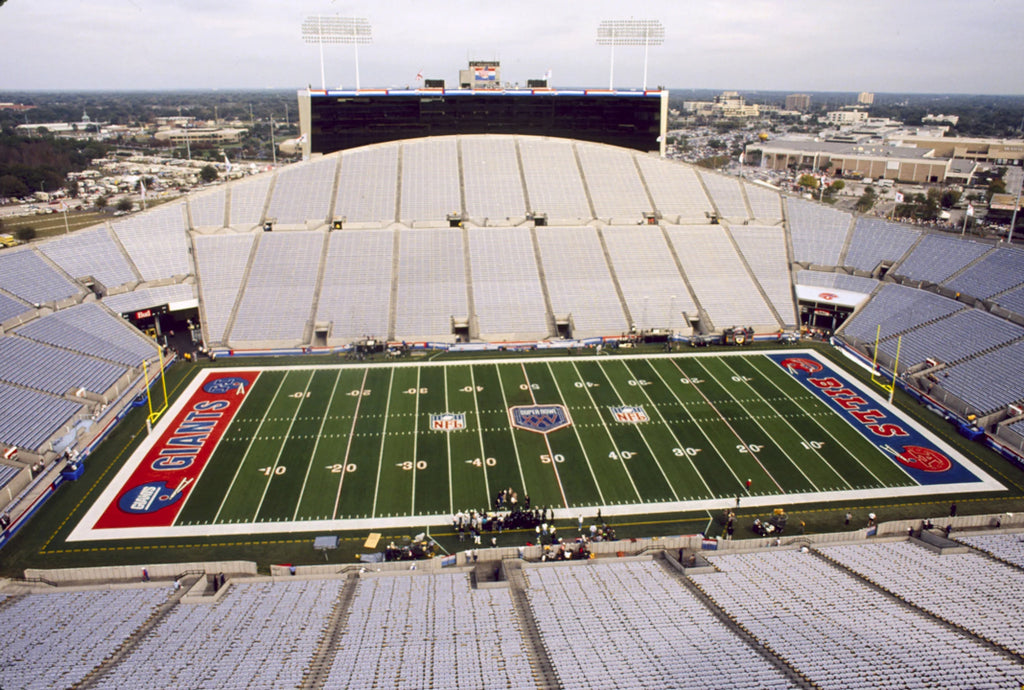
(918, 455)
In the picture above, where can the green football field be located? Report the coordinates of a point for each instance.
(413, 443)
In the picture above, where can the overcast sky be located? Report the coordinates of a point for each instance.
(957, 46)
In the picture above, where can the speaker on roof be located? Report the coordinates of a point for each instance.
(268, 226)
(337, 224)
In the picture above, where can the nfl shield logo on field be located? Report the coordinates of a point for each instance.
(449, 421)
(630, 414)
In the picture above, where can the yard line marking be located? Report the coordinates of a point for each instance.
(547, 441)
(637, 427)
(448, 445)
(480, 433)
(615, 445)
(664, 422)
(511, 431)
(700, 427)
(248, 448)
(759, 426)
(726, 422)
(316, 444)
(348, 444)
(415, 443)
(576, 430)
(383, 440)
(284, 442)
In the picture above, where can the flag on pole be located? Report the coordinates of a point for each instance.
(899, 197)
(970, 210)
(547, 75)
(227, 163)
(303, 139)
(419, 76)
(743, 154)
(142, 189)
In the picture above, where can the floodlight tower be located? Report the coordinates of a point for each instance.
(629, 32)
(320, 30)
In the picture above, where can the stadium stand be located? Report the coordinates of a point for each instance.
(53, 370)
(579, 282)
(156, 242)
(1005, 547)
(24, 274)
(431, 283)
(1012, 300)
(145, 298)
(248, 198)
(11, 308)
(367, 185)
(430, 179)
(765, 204)
(764, 248)
(727, 195)
(717, 274)
(55, 639)
(356, 289)
(259, 634)
(554, 185)
(897, 309)
(7, 474)
(997, 272)
(430, 631)
(989, 381)
(655, 293)
(963, 334)
(494, 189)
(302, 193)
(506, 285)
(28, 418)
(90, 329)
(840, 632)
(207, 209)
(91, 253)
(817, 232)
(221, 261)
(937, 257)
(649, 628)
(277, 301)
(875, 240)
(970, 583)
(676, 190)
(613, 182)
(840, 281)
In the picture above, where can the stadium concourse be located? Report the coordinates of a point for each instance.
(832, 611)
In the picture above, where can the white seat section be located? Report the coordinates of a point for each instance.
(817, 232)
(614, 183)
(431, 284)
(655, 293)
(149, 297)
(430, 179)
(277, 301)
(494, 189)
(367, 185)
(676, 190)
(507, 294)
(92, 253)
(207, 208)
(875, 240)
(553, 182)
(837, 280)
(221, 262)
(764, 248)
(302, 192)
(579, 282)
(717, 275)
(248, 198)
(1007, 547)
(766, 204)
(356, 289)
(725, 192)
(156, 241)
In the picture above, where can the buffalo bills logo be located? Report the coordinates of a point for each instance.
(225, 384)
(149, 498)
(542, 419)
(795, 364)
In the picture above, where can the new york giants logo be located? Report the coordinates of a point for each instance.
(630, 414)
(449, 421)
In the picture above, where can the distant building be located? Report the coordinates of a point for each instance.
(727, 104)
(481, 74)
(798, 101)
(195, 135)
(865, 98)
(878, 161)
(980, 149)
(940, 118)
(846, 117)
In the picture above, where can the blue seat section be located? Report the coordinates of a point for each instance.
(997, 272)
(51, 369)
(988, 382)
(897, 309)
(28, 418)
(7, 473)
(818, 232)
(961, 335)
(937, 257)
(25, 274)
(1013, 300)
(875, 240)
(89, 329)
(11, 308)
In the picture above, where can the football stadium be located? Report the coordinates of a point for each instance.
(502, 410)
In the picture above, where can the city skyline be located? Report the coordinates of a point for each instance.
(909, 46)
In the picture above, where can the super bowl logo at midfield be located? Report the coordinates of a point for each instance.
(542, 419)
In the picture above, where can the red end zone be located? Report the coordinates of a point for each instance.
(156, 490)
